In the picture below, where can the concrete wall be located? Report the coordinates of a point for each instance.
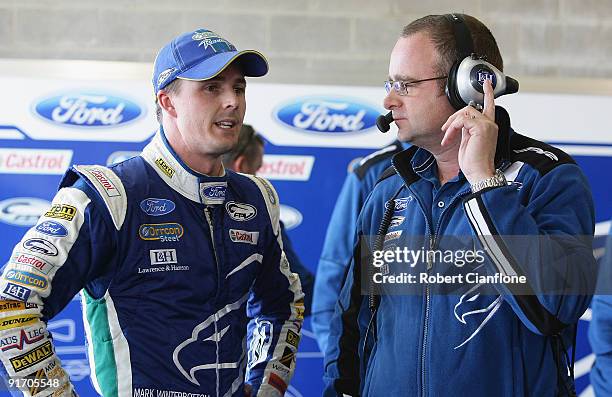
(310, 41)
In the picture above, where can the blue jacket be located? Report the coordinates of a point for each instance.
(339, 239)
(473, 338)
(184, 282)
(600, 329)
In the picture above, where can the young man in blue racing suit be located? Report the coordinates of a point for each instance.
(186, 288)
(521, 207)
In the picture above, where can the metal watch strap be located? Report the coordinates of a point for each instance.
(496, 180)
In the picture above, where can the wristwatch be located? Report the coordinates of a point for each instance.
(496, 180)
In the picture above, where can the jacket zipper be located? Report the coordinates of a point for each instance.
(212, 238)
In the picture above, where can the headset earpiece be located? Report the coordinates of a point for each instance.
(466, 77)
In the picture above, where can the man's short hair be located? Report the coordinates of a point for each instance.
(441, 33)
(248, 139)
(171, 88)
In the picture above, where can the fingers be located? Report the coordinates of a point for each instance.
(489, 100)
(455, 124)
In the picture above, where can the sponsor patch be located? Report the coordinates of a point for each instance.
(26, 278)
(300, 309)
(164, 167)
(161, 231)
(276, 382)
(243, 236)
(213, 192)
(17, 291)
(16, 321)
(287, 358)
(157, 206)
(400, 204)
(61, 211)
(41, 246)
(52, 228)
(22, 258)
(240, 211)
(292, 338)
(163, 257)
(19, 341)
(393, 235)
(109, 188)
(14, 306)
(269, 190)
(33, 357)
(396, 221)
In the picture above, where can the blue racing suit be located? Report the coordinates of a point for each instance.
(339, 239)
(478, 337)
(185, 286)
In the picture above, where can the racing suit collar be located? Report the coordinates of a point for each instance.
(403, 161)
(197, 187)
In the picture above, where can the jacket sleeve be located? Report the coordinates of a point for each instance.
(335, 257)
(276, 311)
(548, 240)
(71, 245)
(600, 329)
(296, 265)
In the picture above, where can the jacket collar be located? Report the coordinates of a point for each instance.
(192, 185)
(402, 162)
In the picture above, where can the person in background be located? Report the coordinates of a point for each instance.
(247, 157)
(600, 329)
(339, 239)
(186, 289)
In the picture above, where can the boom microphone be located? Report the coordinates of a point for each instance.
(384, 122)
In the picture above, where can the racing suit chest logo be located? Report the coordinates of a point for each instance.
(161, 231)
(240, 212)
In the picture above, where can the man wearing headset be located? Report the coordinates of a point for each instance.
(505, 331)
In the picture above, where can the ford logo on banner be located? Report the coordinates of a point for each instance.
(88, 109)
(22, 211)
(290, 216)
(327, 114)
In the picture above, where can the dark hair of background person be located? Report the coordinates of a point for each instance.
(244, 146)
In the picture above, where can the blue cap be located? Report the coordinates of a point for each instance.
(201, 55)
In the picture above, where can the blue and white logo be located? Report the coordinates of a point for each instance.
(327, 114)
(157, 206)
(22, 211)
(52, 228)
(290, 216)
(88, 109)
(213, 192)
(18, 292)
(400, 203)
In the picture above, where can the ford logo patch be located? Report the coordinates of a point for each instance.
(156, 206)
(400, 203)
(326, 114)
(88, 109)
(52, 228)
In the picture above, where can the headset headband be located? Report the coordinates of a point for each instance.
(463, 37)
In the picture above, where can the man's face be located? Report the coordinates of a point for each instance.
(209, 113)
(420, 114)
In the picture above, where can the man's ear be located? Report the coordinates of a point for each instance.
(165, 102)
(239, 163)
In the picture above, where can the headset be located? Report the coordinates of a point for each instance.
(464, 84)
(467, 75)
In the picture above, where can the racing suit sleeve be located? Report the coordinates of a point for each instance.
(71, 245)
(276, 311)
(548, 241)
(600, 329)
(335, 256)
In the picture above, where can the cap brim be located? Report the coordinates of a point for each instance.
(252, 63)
